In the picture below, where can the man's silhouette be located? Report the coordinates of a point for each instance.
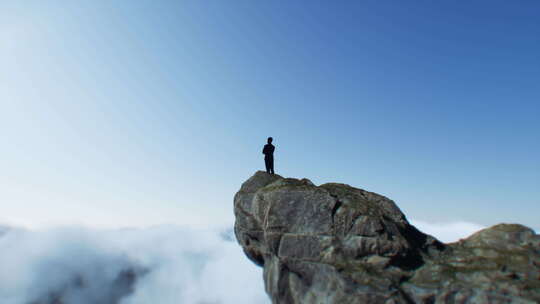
(268, 152)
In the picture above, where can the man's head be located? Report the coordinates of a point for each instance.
(270, 140)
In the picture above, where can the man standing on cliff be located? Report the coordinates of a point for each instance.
(268, 152)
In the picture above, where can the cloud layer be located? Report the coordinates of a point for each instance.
(164, 264)
(448, 232)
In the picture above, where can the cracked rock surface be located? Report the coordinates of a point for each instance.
(337, 244)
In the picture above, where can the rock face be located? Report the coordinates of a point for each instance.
(337, 244)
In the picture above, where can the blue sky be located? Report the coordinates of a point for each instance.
(135, 113)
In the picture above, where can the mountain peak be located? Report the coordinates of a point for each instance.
(334, 243)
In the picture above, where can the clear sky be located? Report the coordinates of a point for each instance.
(135, 113)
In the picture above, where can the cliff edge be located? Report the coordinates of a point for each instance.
(337, 244)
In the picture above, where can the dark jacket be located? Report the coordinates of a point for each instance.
(268, 150)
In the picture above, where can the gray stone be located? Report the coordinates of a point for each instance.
(338, 244)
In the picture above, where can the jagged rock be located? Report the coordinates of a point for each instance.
(337, 244)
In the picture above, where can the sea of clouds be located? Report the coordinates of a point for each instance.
(164, 265)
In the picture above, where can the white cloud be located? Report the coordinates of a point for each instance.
(173, 265)
(448, 232)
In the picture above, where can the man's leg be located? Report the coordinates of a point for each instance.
(267, 164)
(272, 165)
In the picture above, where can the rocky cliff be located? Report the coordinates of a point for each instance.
(337, 244)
